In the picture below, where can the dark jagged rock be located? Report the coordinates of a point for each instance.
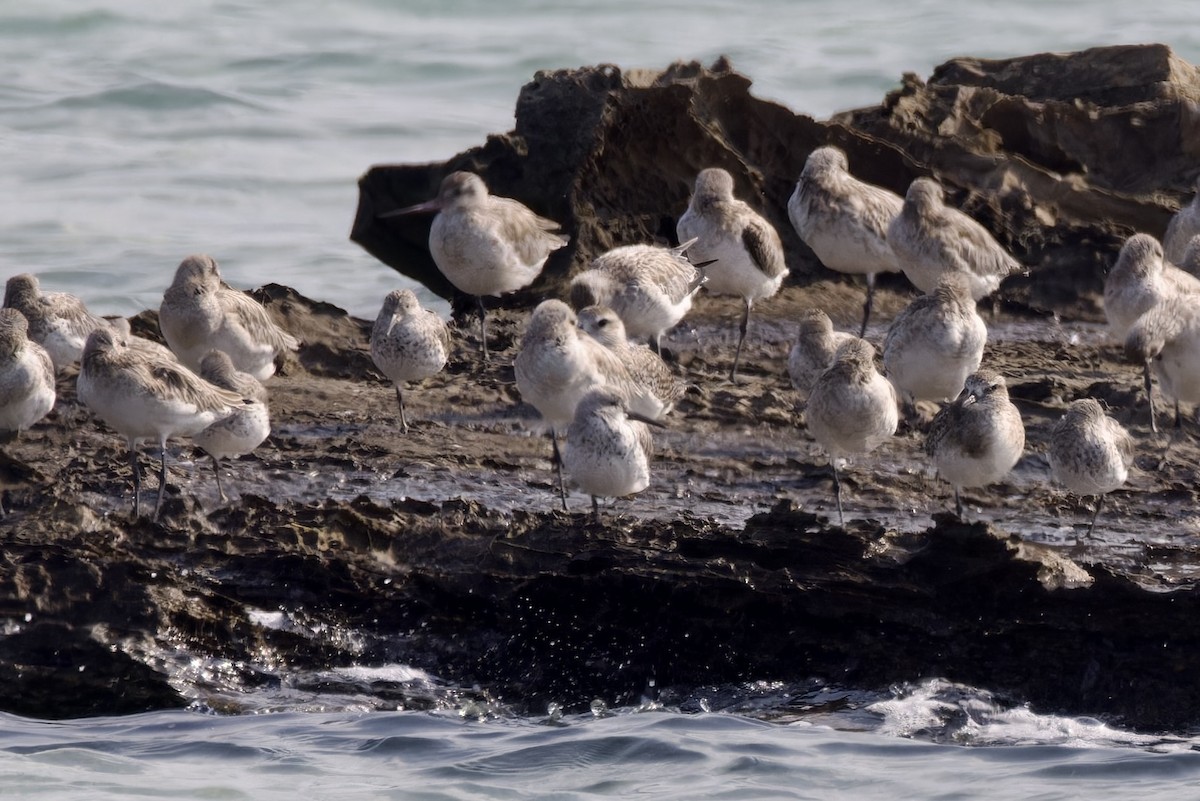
(1061, 155)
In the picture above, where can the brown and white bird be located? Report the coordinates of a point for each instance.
(1166, 342)
(644, 365)
(977, 439)
(1184, 225)
(1140, 279)
(815, 348)
(58, 321)
(648, 286)
(484, 244)
(744, 249)
(852, 408)
(558, 364)
(844, 220)
(930, 238)
(26, 376)
(608, 447)
(200, 312)
(142, 396)
(408, 343)
(246, 426)
(1090, 453)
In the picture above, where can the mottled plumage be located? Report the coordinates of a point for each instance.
(1183, 226)
(935, 342)
(852, 409)
(1139, 280)
(485, 244)
(745, 250)
(649, 287)
(977, 439)
(142, 397)
(199, 313)
(1166, 340)
(815, 349)
(26, 376)
(608, 448)
(408, 343)
(930, 238)
(249, 423)
(58, 321)
(558, 364)
(1090, 453)
(644, 365)
(844, 220)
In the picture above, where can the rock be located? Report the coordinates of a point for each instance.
(1062, 156)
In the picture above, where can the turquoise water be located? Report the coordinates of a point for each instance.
(134, 133)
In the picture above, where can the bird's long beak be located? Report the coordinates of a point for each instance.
(428, 205)
(641, 418)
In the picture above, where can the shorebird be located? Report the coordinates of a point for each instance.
(408, 343)
(142, 397)
(557, 365)
(1190, 263)
(58, 321)
(249, 423)
(1139, 280)
(815, 348)
(977, 439)
(649, 287)
(930, 238)
(1183, 226)
(644, 365)
(485, 244)
(844, 220)
(200, 312)
(935, 342)
(1090, 452)
(123, 333)
(608, 447)
(1166, 339)
(852, 409)
(26, 376)
(745, 250)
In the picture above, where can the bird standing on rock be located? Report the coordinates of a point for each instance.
(26, 376)
(58, 321)
(249, 423)
(485, 244)
(408, 343)
(644, 365)
(1140, 279)
(1184, 225)
(200, 312)
(1090, 452)
(815, 349)
(852, 409)
(745, 250)
(978, 438)
(930, 238)
(844, 220)
(649, 287)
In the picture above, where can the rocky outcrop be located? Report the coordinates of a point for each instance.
(1062, 156)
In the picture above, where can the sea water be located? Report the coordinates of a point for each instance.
(133, 133)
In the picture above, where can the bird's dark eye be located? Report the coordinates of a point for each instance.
(601, 322)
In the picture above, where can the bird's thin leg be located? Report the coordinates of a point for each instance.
(868, 304)
(958, 505)
(1096, 514)
(741, 339)
(483, 327)
(403, 420)
(162, 475)
(656, 344)
(837, 491)
(595, 509)
(217, 473)
(1150, 396)
(558, 465)
(137, 480)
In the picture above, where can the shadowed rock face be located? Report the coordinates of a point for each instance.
(1061, 155)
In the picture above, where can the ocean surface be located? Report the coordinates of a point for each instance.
(134, 133)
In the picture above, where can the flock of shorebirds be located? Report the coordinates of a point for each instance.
(582, 364)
